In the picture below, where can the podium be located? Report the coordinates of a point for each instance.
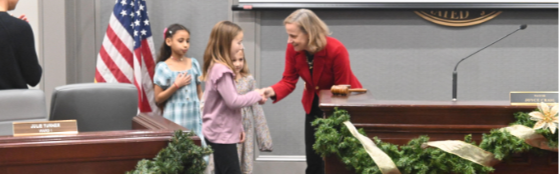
(398, 122)
(104, 152)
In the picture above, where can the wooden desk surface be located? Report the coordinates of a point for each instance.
(368, 112)
(328, 100)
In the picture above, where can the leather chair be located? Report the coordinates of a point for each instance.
(96, 106)
(21, 105)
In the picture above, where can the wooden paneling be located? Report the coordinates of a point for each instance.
(88, 152)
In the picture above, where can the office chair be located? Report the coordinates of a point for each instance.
(21, 105)
(96, 106)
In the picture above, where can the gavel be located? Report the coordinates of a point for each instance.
(345, 89)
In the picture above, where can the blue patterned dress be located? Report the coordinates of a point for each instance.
(183, 107)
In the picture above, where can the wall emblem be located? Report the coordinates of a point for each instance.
(458, 18)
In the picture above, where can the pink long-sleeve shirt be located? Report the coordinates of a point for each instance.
(222, 120)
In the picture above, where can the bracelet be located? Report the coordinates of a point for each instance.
(177, 86)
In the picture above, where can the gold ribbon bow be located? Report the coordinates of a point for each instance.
(465, 151)
(482, 157)
(383, 161)
(529, 136)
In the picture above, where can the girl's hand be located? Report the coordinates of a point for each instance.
(263, 96)
(242, 137)
(183, 79)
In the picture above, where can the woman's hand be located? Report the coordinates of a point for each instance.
(263, 96)
(242, 137)
(182, 79)
(269, 92)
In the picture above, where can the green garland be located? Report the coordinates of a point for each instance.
(332, 137)
(180, 156)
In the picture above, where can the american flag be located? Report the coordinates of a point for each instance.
(127, 54)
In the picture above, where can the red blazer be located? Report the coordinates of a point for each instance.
(331, 67)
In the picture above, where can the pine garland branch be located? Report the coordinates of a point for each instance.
(332, 137)
(180, 156)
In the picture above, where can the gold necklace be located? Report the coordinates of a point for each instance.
(310, 62)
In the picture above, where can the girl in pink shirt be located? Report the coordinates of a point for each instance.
(222, 120)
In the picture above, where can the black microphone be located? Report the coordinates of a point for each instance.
(455, 74)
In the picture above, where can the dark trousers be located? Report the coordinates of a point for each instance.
(315, 164)
(226, 159)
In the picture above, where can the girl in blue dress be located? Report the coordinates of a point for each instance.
(176, 81)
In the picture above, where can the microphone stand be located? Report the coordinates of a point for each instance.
(455, 74)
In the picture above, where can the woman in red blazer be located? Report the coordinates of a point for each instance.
(321, 61)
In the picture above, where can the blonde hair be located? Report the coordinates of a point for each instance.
(219, 46)
(244, 71)
(311, 25)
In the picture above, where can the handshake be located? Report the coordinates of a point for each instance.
(265, 93)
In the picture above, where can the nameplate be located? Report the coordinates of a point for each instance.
(45, 128)
(532, 97)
